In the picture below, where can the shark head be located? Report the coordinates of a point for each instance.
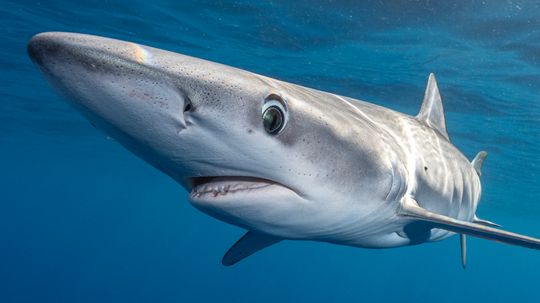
(252, 151)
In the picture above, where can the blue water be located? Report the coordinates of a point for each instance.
(83, 220)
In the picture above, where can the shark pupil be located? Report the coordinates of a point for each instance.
(272, 120)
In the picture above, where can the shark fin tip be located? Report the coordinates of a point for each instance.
(432, 112)
(478, 161)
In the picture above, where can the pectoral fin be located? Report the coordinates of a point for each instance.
(469, 228)
(249, 244)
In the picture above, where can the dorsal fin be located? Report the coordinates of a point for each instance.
(432, 112)
(478, 161)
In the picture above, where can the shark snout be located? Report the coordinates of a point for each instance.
(35, 49)
(118, 88)
(55, 51)
(43, 46)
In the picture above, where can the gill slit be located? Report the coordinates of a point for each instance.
(409, 152)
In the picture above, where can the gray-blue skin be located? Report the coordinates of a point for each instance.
(280, 160)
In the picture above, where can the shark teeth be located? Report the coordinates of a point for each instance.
(221, 187)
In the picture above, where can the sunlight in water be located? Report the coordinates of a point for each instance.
(141, 54)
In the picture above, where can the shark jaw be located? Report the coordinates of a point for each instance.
(204, 187)
(244, 201)
(234, 188)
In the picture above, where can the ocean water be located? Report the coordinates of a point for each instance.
(83, 220)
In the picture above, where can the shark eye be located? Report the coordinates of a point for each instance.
(274, 115)
(272, 119)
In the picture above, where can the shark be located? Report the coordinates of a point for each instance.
(282, 161)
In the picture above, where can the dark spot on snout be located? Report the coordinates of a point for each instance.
(425, 168)
(33, 52)
(250, 131)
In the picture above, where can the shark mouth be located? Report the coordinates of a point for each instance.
(222, 186)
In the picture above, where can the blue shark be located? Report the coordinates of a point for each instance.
(280, 160)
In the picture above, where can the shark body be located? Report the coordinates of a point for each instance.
(280, 160)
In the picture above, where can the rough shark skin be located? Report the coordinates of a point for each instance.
(341, 170)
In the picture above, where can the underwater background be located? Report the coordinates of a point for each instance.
(83, 220)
